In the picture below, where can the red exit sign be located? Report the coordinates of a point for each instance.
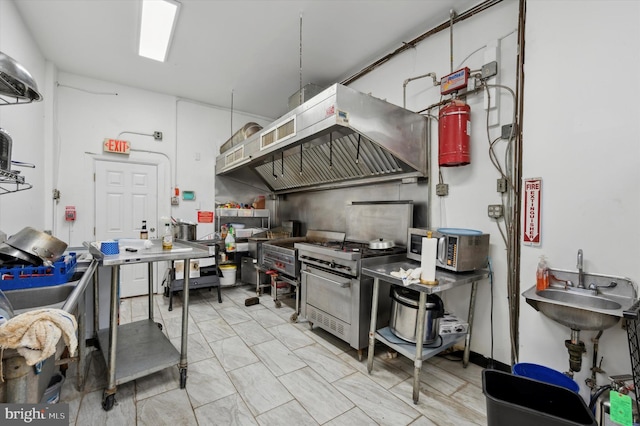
(115, 145)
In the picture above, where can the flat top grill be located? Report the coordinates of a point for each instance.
(349, 248)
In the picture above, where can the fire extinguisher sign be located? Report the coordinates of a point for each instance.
(533, 194)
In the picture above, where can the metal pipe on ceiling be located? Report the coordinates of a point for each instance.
(467, 14)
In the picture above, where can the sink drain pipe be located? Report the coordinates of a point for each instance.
(595, 367)
(576, 348)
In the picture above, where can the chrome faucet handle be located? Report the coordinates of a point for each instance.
(594, 286)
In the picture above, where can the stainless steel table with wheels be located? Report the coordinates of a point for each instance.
(140, 348)
(446, 281)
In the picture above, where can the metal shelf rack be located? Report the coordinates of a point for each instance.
(11, 178)
(632, 316)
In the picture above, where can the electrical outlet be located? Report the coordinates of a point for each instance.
(175, 201)
(489, 70)
(157, 135)
(507, 132)
(442, 189)
(501, 185)
(495, 211)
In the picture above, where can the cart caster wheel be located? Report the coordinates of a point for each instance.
(108, 401)
(278, 304)
(183, 378)
(159, 326)
(294, 317)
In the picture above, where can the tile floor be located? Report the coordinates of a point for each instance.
(251, 365)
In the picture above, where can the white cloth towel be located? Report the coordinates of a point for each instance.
(35, 334)
(408, 276)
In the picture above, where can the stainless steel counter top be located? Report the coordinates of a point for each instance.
(181, 250)
(446, 279)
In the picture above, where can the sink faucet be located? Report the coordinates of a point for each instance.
(580, 271)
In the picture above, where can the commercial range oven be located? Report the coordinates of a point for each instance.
(335, 296)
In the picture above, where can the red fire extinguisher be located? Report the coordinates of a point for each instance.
(454, 128)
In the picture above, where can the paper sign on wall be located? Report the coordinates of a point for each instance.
(205, 216)
(532, 198)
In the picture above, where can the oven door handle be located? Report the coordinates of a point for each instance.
(339, 284)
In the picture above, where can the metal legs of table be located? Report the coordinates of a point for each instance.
(467, 339)
(372, 327)
(185, 327)
(151, 353)
(418, 354)
(420, 336)
(109, 394)
(417, 362)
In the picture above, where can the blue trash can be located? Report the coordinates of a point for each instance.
(545, 374)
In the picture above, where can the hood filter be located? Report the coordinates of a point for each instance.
(331, 162)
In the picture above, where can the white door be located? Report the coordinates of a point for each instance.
(126, 194)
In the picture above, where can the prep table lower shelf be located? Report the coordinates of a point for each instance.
(386, 336)
(142, 349)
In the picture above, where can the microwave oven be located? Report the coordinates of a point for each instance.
(459, 250)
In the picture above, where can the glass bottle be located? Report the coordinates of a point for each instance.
(144, 234)
(167, 238)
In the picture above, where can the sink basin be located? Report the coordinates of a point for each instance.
(39, 298)
(55, 296)
(584, 309)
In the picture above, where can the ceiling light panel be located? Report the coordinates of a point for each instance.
(157, 25)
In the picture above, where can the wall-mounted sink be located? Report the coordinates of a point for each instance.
(597, 307)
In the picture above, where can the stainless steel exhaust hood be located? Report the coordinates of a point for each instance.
(338, 138)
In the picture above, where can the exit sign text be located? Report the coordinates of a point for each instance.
(115, 145)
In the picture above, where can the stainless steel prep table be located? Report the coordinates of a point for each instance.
(446, 281)
(141, 348)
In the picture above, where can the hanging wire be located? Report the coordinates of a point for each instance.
(331, 149)
(273, 167)
(300, 92)
(231, 132)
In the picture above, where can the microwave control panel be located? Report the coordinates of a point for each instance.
(451, 251)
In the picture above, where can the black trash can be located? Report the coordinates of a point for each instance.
(515, 400)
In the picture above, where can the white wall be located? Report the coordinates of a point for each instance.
(471, 188)
(581, 136)
(88, 110)
(25, 124)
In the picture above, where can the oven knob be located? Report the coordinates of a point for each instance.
(332, 264)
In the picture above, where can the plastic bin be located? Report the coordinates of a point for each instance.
(228, 277)
(545, 374)
(516, 400)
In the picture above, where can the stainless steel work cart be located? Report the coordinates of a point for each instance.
(140, 348)
(446, 281)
